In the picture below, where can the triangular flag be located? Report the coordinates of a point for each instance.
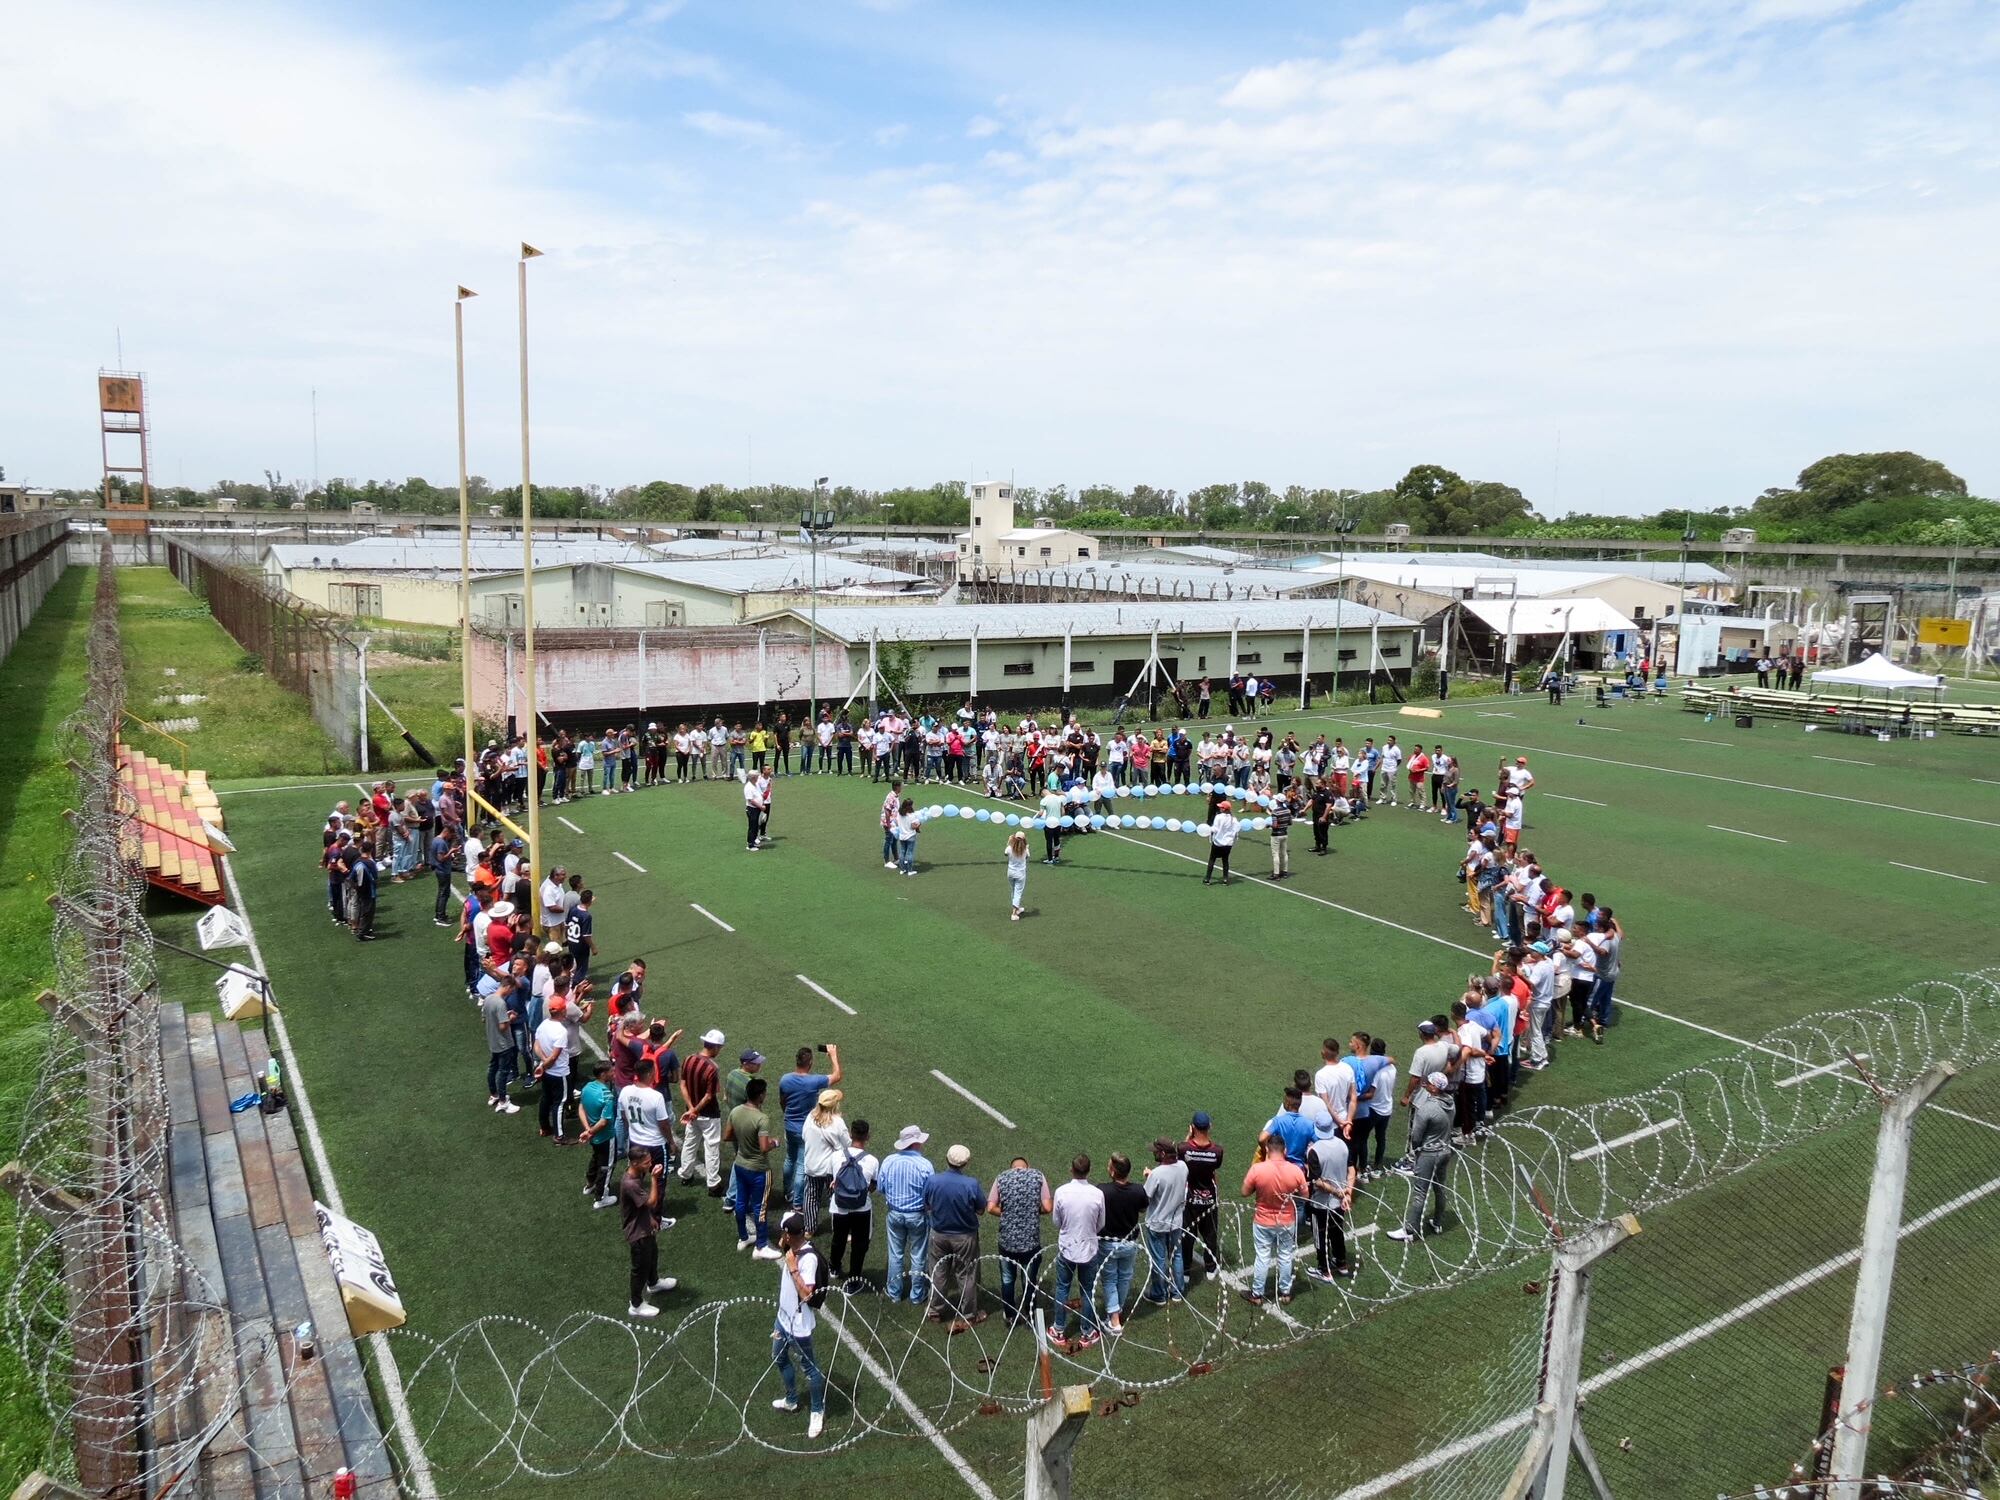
(466, 291)
(528, 251)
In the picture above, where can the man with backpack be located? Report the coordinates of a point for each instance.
(853, 1210)
(802, 1286)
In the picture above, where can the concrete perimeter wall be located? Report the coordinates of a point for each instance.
(33, 554)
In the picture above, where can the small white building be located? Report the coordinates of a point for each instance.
(995, 546)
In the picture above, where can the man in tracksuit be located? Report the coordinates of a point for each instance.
(1430, 1150)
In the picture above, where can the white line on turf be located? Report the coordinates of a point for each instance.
(1605, 728)
(297, 786)
(825, 994)
(1559, 797)
(1926, 870)
(965, 1093)
(632, 862)
(913, 1411)
(1746, 833)
(711, 916)
(1980, 779)
(1845, 760)
(1639, 765)
(567, 824)
(1451, 1452)
(1488, 714)
(1712, 744)
(1241, 1281)
(329, 1189)
(1605, 1148)
(1819, 1072)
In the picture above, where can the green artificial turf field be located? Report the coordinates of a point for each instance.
(1760, 875)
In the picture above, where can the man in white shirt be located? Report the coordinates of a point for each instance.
(800, 1274)
(753, 813)
(1221, 840)
(1392, 760)
(1078, 1211)
(642, 1113)
(1333, 1084)
(1540, 972)
(552, 1067)
(718, 750)
(554, 910)
(1052, 814)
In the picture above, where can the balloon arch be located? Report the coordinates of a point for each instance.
(1080, 798)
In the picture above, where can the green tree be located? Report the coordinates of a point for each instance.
(1844, 480)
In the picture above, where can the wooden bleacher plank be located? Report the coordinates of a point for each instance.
(211, 1103)
(234, 1055)
(315, 1421)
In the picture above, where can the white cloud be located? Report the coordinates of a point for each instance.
(735, 128)
(890, 135)
(981, 126)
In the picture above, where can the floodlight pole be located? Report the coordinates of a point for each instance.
(534, 790)
(464, 541)
(1342, 530)
(817, 521)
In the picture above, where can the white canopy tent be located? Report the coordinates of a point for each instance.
(1878, 674)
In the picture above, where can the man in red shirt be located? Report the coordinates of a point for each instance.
(1279, 1187)
(701, 1083)
(1419, 769)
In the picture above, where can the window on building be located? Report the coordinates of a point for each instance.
(1638, 612)
(1295, 656)
(1006, 494)
(1347, 655)
(1079, 667)
(1018, 669)
(1083, 552)
(1022, 550)
(665, 612)
(1389, 651)
(1201, 664)
(1249, 658)
(946, 674)
(1048, 552)
(359, 599)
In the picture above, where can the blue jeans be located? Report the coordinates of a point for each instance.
(1450, 806)
(1274, 1242)
(795, 1160)
(906, 856)
(786, 1348)
(1600, 1000)
(1167, 1276)
(1120, 1259)
(888, 846)
(909, 1238)
(805, 760)
(1085, 1277)
(735, 761)
(750, 1187)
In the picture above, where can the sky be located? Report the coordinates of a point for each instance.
(1624, 256)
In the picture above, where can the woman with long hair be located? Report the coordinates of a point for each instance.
(826, 1137)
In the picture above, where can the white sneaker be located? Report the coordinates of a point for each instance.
(605, 1202)
(642, 1310)
(816, 1425)
(664, 1284)
(1401, 1235)
(508, 1107)
(744, 1244)
(767, 1253)
(888, 864)
(784, 1403)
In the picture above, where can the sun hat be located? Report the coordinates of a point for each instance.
(912, 1135)
(957, 1156)
(500, 909)
(712, 1038)
(1542, 948)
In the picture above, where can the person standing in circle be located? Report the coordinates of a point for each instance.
(1221, 839)
(1017, 871)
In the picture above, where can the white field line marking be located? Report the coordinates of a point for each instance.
(1489, 714)
(1712, 744)
(297, 786)
(1980, 779)
(1819, 1072)
(1481, 953)
(632, 862)
(329, 1186)
(825, 994)
(1845, 760)
(1559, 797)
(1927, 870)
(911, 1410)
(1436, 1459)
(1746, 833)
(1241, 1281)
(712, 917)
(1605, 1148)
(965, 1093)
(1638, 765)
(567, 824)
(1604, 728)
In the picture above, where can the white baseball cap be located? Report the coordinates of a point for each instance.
(712, 1038)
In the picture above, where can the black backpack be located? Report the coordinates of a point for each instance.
(819, 1287)
(850, 1185)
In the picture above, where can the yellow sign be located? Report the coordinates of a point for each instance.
(1942, 630)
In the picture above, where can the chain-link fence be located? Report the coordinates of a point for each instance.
(296, 644)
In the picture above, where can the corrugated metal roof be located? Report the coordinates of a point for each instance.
(946, 622)
(1547, 616)
(1169, 579)
(393, 554)
(771, 575)
(1438, 578)
(1487, 562)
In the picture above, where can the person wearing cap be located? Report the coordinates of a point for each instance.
(825, 1137)
(736, 1089)
(1019, 1198)
(799, 1278)
(953, 1201)
(1221, 839)
(755, 805)
(1540, 973)
(639, 1218)
(1430, 1151)
(701, 1092)
(902, 1183)
(552, 1068)
(1202, 1154)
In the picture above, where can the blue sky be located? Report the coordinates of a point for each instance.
(1623, 255)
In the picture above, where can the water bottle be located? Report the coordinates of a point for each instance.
(272, 1076)
(343, 1484)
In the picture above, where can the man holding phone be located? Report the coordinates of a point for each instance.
(639, 1212)
(798, 1092)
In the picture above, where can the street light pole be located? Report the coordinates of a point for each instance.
(534, 792)
(817, 522)
(464, 536)
(1342, 530)
(1681, 603)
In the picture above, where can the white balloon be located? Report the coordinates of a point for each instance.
(1203, 829)
(1173, 825)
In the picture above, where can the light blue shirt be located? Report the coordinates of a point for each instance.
(902, 1180)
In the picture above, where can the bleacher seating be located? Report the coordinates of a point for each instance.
(165, 812)
(1840, 711)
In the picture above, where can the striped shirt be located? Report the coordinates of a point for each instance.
(902, 1180)
(1281, 818)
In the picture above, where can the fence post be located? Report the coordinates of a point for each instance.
(1053, 1429)
(1875, 1278)
(1562, 1349)
(361, 697)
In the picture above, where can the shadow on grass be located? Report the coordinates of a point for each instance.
(55, 634)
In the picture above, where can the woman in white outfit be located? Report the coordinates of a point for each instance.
(826, 1137)
(1017, 870)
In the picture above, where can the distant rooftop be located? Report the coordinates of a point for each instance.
(944, 622)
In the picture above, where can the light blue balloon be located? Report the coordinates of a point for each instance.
(1259, 824)
(1127, 821)
(1068, 821)
(1013, 820)
(981, 814)
(933, 811)
(951, 809)
(1097, 820)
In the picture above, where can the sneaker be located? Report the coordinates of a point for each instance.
(1089, 1341)
(492, 1101)
(642, 1310)
(438, 922)
(744, 1244)
(816, 1424)
(890, 864)
(784, 1403)
(1401, 1236)
(508, 1107)
(767, 1253)
(666, 1224)
(605, 1202)
(664, 1284)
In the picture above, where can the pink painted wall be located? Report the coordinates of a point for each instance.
(589, 671)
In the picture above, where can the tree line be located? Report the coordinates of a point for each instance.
(1901, 498)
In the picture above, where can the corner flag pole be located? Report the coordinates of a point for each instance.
(528, 253)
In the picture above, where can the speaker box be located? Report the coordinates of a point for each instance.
(1743, 721)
